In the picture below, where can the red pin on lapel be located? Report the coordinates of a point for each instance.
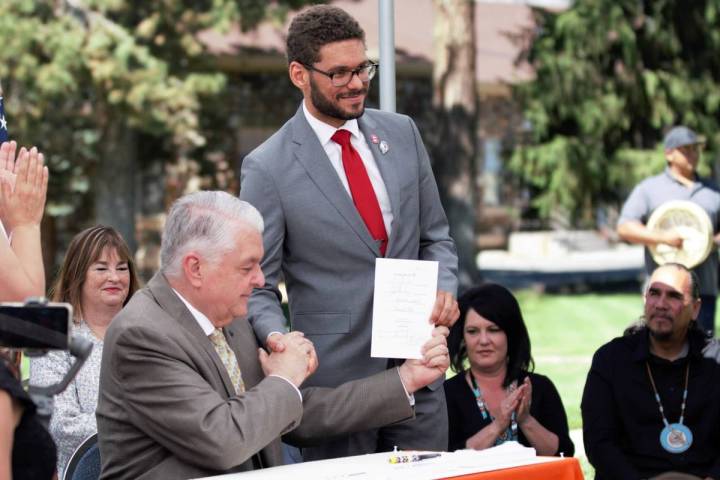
(374, 139)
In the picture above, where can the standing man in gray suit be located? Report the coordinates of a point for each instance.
(184, 391)
(340, 186)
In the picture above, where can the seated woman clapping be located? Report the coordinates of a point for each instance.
(98, 278)
(498, 398)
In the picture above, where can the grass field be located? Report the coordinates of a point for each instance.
(565, 331)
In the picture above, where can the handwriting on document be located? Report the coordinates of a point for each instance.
(403, 300)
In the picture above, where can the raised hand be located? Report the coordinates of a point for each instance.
(508, 405)
(24, 204)
(7, 161)
(523, 410)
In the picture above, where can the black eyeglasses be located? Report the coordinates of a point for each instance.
(343, 77)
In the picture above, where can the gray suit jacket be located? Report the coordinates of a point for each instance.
(315, 237)
(167, 408)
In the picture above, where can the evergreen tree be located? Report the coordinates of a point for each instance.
(100, 85)
(611, 77)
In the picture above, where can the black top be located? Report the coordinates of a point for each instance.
(621, 419)
(465, 419)
(34, 454)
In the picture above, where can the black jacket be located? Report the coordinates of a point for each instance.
(621, 419)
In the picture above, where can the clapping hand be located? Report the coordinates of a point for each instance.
(508, 405)
(23, 186)
(7, 162)
(523, 409)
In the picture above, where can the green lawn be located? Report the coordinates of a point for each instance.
(565, 331)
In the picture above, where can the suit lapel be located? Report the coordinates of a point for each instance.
(171, 303)
(313, 158)
(387, 163)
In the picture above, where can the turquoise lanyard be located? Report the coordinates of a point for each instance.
(508, 435)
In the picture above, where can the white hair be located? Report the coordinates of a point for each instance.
(206, 222)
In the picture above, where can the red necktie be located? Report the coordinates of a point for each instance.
(361, 189)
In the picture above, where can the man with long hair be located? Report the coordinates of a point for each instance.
(651, 403)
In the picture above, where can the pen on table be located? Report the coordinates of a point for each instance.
(412, 458)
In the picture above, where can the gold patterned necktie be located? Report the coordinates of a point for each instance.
(228, 358)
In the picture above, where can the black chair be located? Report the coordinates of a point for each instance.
(84, 463)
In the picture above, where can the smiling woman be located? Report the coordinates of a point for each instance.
(97, 278)
(498, 398)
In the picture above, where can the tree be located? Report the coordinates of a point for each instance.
(611, 76)
(109, 89)
(453, 140)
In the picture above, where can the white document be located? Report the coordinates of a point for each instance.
(405, 292)
(377, 466)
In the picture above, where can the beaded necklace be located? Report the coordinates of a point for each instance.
(675, 437)
(508, 435)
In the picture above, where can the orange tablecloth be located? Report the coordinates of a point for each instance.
(564, 469)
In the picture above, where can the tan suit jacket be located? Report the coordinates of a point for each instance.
(167, 408)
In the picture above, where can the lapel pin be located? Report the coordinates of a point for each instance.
(374, 139)
(384, 147)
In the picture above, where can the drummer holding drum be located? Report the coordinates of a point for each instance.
(676, 215)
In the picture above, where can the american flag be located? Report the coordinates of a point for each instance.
(3, 122)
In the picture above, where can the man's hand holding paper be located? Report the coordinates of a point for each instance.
(416, 374)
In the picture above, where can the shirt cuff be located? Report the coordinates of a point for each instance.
(274, 331)
(410, 396)
(291, 383)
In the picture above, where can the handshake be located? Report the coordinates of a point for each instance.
(293, 357)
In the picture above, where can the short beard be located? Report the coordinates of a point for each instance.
(660, 336)
(326, 107)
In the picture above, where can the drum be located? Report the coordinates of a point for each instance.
(692, 223)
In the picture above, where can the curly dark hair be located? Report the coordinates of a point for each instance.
(317, 26)
(497, 304)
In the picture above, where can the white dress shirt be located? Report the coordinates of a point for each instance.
(333, 150)
(208, 328)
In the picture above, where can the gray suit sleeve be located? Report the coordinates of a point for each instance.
(435, 241)
(258, 188)
(354, 406)
(175, 406)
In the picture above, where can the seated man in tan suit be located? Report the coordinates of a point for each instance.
(184, 390)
